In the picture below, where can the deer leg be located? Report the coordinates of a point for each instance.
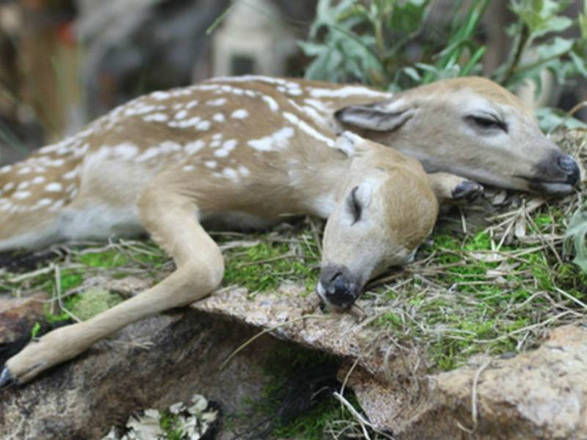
(171, 220)
(450, 187)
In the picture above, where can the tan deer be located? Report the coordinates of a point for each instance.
(253, 150)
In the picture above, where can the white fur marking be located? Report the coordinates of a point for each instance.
(203, 125)
(160, 96)
(230, 174)
(244, 171)
(347, 91)
(216, 102)
(156, 117)
(308, 129)
(241, 113)
(19, 195)
(277, 141)
(227, 147)
(218, 117)
(194, 147)
(272, 103)
(125, 151)
(53, 187)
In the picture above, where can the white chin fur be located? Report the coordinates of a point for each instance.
(321, 292)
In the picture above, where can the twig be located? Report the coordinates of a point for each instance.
(265, 331)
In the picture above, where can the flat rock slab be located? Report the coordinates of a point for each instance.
(167, 358)
(541, 393)
(150, 364)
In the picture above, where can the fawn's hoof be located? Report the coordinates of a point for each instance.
(6, 378)
(467, 191)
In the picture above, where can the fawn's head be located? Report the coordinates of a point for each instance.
(471, 127)
(385, 210)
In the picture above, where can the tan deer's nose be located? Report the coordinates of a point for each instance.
(338, 286)
(570, 167)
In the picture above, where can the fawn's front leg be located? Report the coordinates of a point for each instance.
(172, 222)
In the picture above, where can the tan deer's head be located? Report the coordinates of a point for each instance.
(385, 209)
(470, 127)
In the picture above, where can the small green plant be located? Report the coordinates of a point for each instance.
(35, 330)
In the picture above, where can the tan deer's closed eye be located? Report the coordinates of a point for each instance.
(246, 149)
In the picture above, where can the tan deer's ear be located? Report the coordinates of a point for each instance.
(379, 116)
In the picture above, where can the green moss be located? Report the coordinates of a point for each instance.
(109, 258)
(266, 265)
(156, 258)
(94, 301)
(68, 279)
(61, 316)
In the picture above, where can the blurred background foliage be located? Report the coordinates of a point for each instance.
(372, 42)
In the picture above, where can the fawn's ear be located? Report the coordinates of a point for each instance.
(348, 142)
(377, 116)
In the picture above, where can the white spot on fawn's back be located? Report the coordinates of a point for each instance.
(19, 195)
(277, 141)
(272, 103)
(156, 117)
(216, 102)
(203, 125)
(53, 187)
(304, 126)
(243, 170)
(230, 174)
(194, 147)
(227, 147)
(345, 92)
(240, 114)
(160, 96)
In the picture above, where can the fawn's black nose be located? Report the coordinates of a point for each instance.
(570, 167)
(338, 286)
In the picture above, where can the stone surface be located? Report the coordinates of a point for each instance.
(152, 363)
(167, 358)
(18, 315)
(540, 394)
